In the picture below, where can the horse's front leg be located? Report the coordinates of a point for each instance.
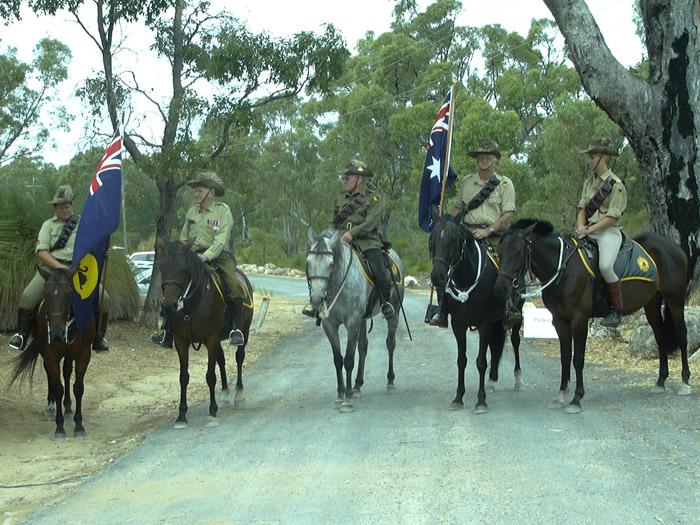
(497, 337)
(515, 341)
(81, 365)
(392, 326)
(182, 345)
(334, 339)
(362, 344)
(67, 371)
(484, 340)
(460, 332)
(563, 329)
(353, 329)
(53, 372)
(50, 410)
(212, 348)
(580, 333)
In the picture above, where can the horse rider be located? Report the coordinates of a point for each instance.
(357, 215)
(209, 223)
(54, 249)
(487, 201)
(603, 201)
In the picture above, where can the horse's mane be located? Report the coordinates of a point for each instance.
(450, 235)
(541, 227)
(199, 273)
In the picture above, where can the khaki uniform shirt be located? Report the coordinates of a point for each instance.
(209, 227)
(501, 200)
(613, 206)
(48, 235)
(363, 224)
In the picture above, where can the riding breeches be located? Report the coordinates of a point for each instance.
(226, 268)
(380, 273)
(609, 241)
(35, 290)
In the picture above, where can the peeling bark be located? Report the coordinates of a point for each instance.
(659, 116)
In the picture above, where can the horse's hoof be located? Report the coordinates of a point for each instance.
(59, 435)
(656, 389)
(345, 407)
(179, 425)
(684, 390)
(456, 405)
(80, 434)
(391, 388)
(519, 386)
(239, 396)
(213, 422)
(68, 416)
(356, 392)
(572, 409)
(50, 413)
(490, 386)
(555, 404)
(481, 409)
(338, 402)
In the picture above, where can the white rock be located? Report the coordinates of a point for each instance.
(410, 282)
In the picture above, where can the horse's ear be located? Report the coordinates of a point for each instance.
(46, 275)
(187, 246)
(311, 235)
(160, 244)
(530, 229)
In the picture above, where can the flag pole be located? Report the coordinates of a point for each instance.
(446, 167)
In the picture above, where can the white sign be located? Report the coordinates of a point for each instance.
(538, 322)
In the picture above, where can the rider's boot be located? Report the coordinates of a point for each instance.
(25, 318)
(309, 311)
(384, 289)
(440, 318)
(100, 343)
(614, 317)
(235, 336)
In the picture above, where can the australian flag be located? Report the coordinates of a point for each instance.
(99, 219)
(433, 171)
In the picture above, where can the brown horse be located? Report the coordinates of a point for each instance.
(194, 304)
(54, 337)
(568, 292)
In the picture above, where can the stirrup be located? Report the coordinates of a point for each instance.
(613, 319)
(158, 337)
(15, 346)
(309, 311)
(235, 337)
(100, 346)
(438, 320)
(388, 310)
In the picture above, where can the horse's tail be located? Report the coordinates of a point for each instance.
(669, 330)
(25, 362)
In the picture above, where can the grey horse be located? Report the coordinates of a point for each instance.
(340, 292)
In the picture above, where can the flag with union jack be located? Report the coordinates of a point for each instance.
(434, 168)
(99, 219)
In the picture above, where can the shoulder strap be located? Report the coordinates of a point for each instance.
(599, 197)
(65, 234)
(350, 207)
(480, 197)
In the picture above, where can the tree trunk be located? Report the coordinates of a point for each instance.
(660, 117)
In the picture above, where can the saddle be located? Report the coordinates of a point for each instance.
(222, 289)
(633, 263)
(390, 263)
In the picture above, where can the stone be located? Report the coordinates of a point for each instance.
(410, 282)
(643, 345)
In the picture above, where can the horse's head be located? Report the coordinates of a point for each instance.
(446, 245)
(515, 252)
(175, 260)
(319, 264)
(58, 301)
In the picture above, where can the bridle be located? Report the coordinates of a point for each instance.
(461, 295)
(309, 278)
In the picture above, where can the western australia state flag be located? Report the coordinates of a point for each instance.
(434, 169)
(99, 219)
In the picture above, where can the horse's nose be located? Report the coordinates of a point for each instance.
(438, 278)
(57, 334)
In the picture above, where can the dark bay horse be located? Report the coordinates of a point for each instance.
(568, 292)
(54, 337)
(460, 265)
(339, 289)
(194, 304)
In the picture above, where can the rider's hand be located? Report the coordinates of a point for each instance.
(481, 233)
(203, 257)
(581, 231)
(347, 237)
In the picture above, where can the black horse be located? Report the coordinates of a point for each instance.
(461, 266)
(194, 304)
(568, 292)
(54, 337)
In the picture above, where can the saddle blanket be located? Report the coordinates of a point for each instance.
(633, 263)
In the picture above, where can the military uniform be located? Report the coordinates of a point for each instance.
(500, 201)
(609, 239)
(49, 233)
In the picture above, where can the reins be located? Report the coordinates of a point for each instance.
(323, 314)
